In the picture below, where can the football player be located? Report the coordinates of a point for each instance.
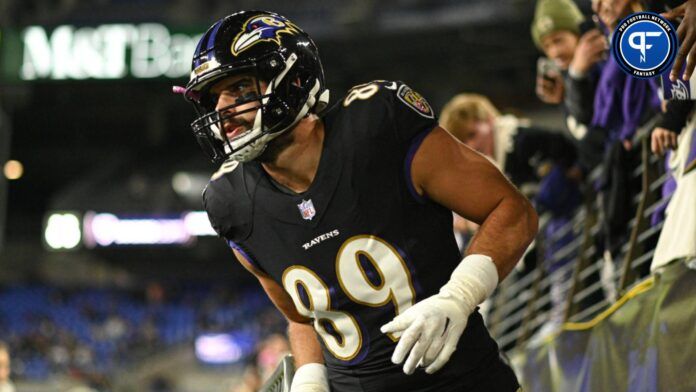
(344, 214)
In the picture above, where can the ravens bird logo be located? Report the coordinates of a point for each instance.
(262, 29)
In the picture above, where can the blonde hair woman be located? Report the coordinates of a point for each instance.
(476, 122)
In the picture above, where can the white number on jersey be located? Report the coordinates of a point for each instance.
(394, 286)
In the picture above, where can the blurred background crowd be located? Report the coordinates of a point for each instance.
(110, 277)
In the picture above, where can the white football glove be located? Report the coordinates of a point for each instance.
(310, 377)
(431, 328)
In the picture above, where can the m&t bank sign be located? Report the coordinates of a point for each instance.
(113, 51)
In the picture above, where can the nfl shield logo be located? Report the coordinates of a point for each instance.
(307, 209)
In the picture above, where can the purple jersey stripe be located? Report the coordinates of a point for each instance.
(415, 144)
(246, 255)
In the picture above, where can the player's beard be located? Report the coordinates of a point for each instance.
(275, 147)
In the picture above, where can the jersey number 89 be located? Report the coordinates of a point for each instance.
(394, 286)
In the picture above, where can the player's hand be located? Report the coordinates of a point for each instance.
(661, 140)
(550, 88)
(687, 39)
(591, 49)
(430, 332)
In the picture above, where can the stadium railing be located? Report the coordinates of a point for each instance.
(281, 379)
(522, 304)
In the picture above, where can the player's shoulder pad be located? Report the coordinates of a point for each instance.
(395, 93)
(227, 200)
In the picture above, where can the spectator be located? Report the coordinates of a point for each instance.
(664, 137)
(676, 240)
(509, 141)
(5, 384)
(578, 49)
(555, 30)
(622, 104)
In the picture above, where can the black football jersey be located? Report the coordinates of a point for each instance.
(360, 245)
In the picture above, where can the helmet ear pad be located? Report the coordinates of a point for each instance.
(270, 66)
(276, 110)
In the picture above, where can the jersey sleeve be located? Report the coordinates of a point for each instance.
(216, 209)
(230, 213)
(411, 114)
(401, 112)
(413, 119)
(394, 120)
(228, 207)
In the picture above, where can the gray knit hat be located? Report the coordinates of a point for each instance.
(555, 15)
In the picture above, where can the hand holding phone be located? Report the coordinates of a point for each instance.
(549, 82)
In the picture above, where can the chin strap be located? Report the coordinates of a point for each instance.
(323, 101)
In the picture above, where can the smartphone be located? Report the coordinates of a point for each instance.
(548, 69)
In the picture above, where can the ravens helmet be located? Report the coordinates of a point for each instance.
(270, 48)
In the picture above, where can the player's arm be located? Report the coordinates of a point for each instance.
(309, 362)
(455, 176)
(462, 180)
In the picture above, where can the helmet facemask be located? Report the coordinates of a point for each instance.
(209, 127)
(274, 115)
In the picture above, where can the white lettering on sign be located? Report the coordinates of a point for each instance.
(102, 52)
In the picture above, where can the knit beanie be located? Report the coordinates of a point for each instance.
(555, 15)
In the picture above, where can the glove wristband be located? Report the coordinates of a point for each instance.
(474, 280)
(311, 374)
